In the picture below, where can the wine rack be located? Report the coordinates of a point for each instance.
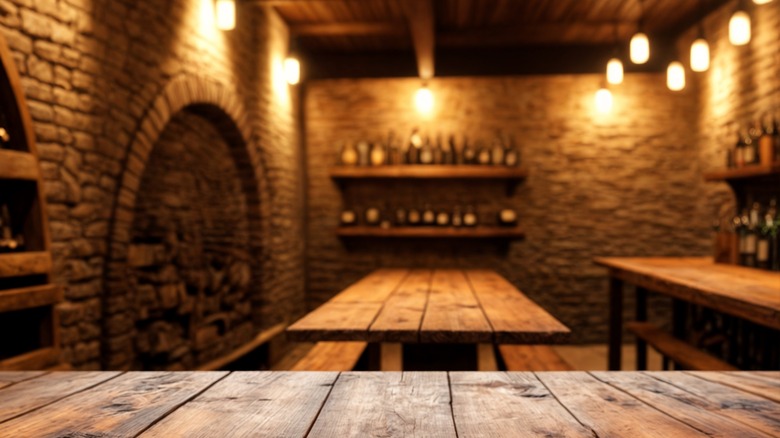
(28, 299)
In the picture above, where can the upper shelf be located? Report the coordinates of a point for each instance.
(481, 232)
(18, 165)
(746, 172)
(433, 171)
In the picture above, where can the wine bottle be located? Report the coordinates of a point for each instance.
(507, 217)
(770, 140)
(413, 148)
(442, 218)
(497, 151)
(749, 155)
(364, 152)
(512, 154)
(772, 231)
(393, 150)
(448, 151)
(7, 241)
(426, 151)
(378, 154)
(373, 216)
(470, 217)
(751, 236)
(348, 217)
(468, 155)
(413, 218)
(400, 217)
(428, 215)
(457, 217)
(739, 151)
(763, 244)
(349, 154)
(755, 133)
(483, 154)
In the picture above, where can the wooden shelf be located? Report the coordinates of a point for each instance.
(29, 297)
(39, 359)
(755, 171)
(433, 171)
(19, 264)
(433, 232)
(18, 165)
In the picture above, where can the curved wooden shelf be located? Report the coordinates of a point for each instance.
(18, 165)
(433, 232)
(756, 171)
(29, 297)
(19, 264)
(433, 171)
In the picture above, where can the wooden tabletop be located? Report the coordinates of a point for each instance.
(430, 306)
(432, 404)
(748, 293)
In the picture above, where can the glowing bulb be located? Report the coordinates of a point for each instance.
(761, 2)
(226, 14)
(292, 70)
(675, 76)
(603, 100)
(739, 28)
(700, 55)
(640, 48)
(423, 99)
(615, 71)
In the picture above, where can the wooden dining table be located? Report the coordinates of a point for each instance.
(389, 404)
(392, 307)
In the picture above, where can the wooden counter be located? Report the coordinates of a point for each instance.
(329, 404)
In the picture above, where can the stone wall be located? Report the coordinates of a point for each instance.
(92, 71)
(622, 184)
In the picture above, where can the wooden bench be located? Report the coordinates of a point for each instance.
(532, 358)
(680, 352)
(331, 356)
(260, 339)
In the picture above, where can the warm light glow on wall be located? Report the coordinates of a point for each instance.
(615, 71)
(675, 76)
(423, 100)
(739, 28)
(226, 14)
(700, 55)
(761, 2)
(640, 48)
(292, 70)
(603, 100)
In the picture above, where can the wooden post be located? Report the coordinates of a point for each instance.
(391, 357)
(615, 322)
(641, 315)
(486, 358)
(679, 319)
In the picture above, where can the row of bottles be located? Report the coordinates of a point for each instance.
(419, 149)
(758, 144)
(456, 216)
(8, 242)
(756, 232)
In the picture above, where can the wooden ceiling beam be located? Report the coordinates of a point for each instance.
(420, 18)
(356, 28)
(539, 33)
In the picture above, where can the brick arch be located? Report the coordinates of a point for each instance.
(223, 108)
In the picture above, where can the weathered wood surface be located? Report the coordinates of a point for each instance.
(752, 294)
(24, 263)
(18, 165)
(331, 356)
(430, 306)
(435, 404)
(680, 352)
(532, 358)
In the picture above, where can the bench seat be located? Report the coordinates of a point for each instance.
(331, 356)
(680, 352)
(532, 358)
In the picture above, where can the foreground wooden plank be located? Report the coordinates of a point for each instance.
(453, 314)
(32, 394)
(387, 404)
(251, 404)
(609, 411)
(698, 412)
(124, 406)
(508, 404)
(8, 378)
(515, 318)
(400, 318)
(757, 412)
(763, 383)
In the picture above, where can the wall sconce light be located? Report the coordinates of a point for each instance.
(675, 76)
(603, 100)
(292, 70)
(225, 11)
(640, 48)
(615, 71)
(700, 55)
(739, 27)
(423, 100)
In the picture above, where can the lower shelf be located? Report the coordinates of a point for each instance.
(42, 358)
(29, 297)
(433, 232)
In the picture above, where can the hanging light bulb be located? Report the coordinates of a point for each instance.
(615, 71)
(700, 55)
(761, 2)
(739, 28)
(423, 100)
(226, 14)
(603, 100)
(292, 70)
(675, 76)
(640, 48)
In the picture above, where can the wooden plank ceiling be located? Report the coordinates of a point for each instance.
(339, 27)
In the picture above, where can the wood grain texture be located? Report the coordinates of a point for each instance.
(682, 353)
(130, 404)
(8, 378)
(331, 356)
(453, 314)
(31, 394)
(387, 404)
(609, 411)
(38, 359)
(532, 358)
(251, 404)
(402, 314)
(765, 384)
(515, 318)
(752, 294)
(24, 263)
(428, 172)
(482, 232)
(755, 411)
(18, 165)
(29, 297)
(259, 339)
(508, 404)
(700, 413)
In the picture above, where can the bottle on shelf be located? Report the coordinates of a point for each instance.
(457, 217)
(426, 152)
(751, 235)
(770, 141)
(755, 133)
(364, 153)
(443, 218)
(511, 154)
(468, 154)
(348, 155)
(470, 217)
(438, 150)
(414, 218)
(378, 156)
(448, 151)
(749, 154)
(771, 229)
(400, 217)
(348, 217)
(483, 155)
(393, 150)
(428, 216)
(373, 216)
(741, 221)
(507, 217)
(413, 148)
(497, 151)
(739, 151)
(762, 244)
(8, 243)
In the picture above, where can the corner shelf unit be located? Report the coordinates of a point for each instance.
(432, 232)
(28, 299)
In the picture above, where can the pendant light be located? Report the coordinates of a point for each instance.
(739, 26)
(761, 2)
(225, 11)
(423, 100)
(615, 65)
(603, 99)
(292, 65)
(700, 48)
(640, 44)
(675, 76)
